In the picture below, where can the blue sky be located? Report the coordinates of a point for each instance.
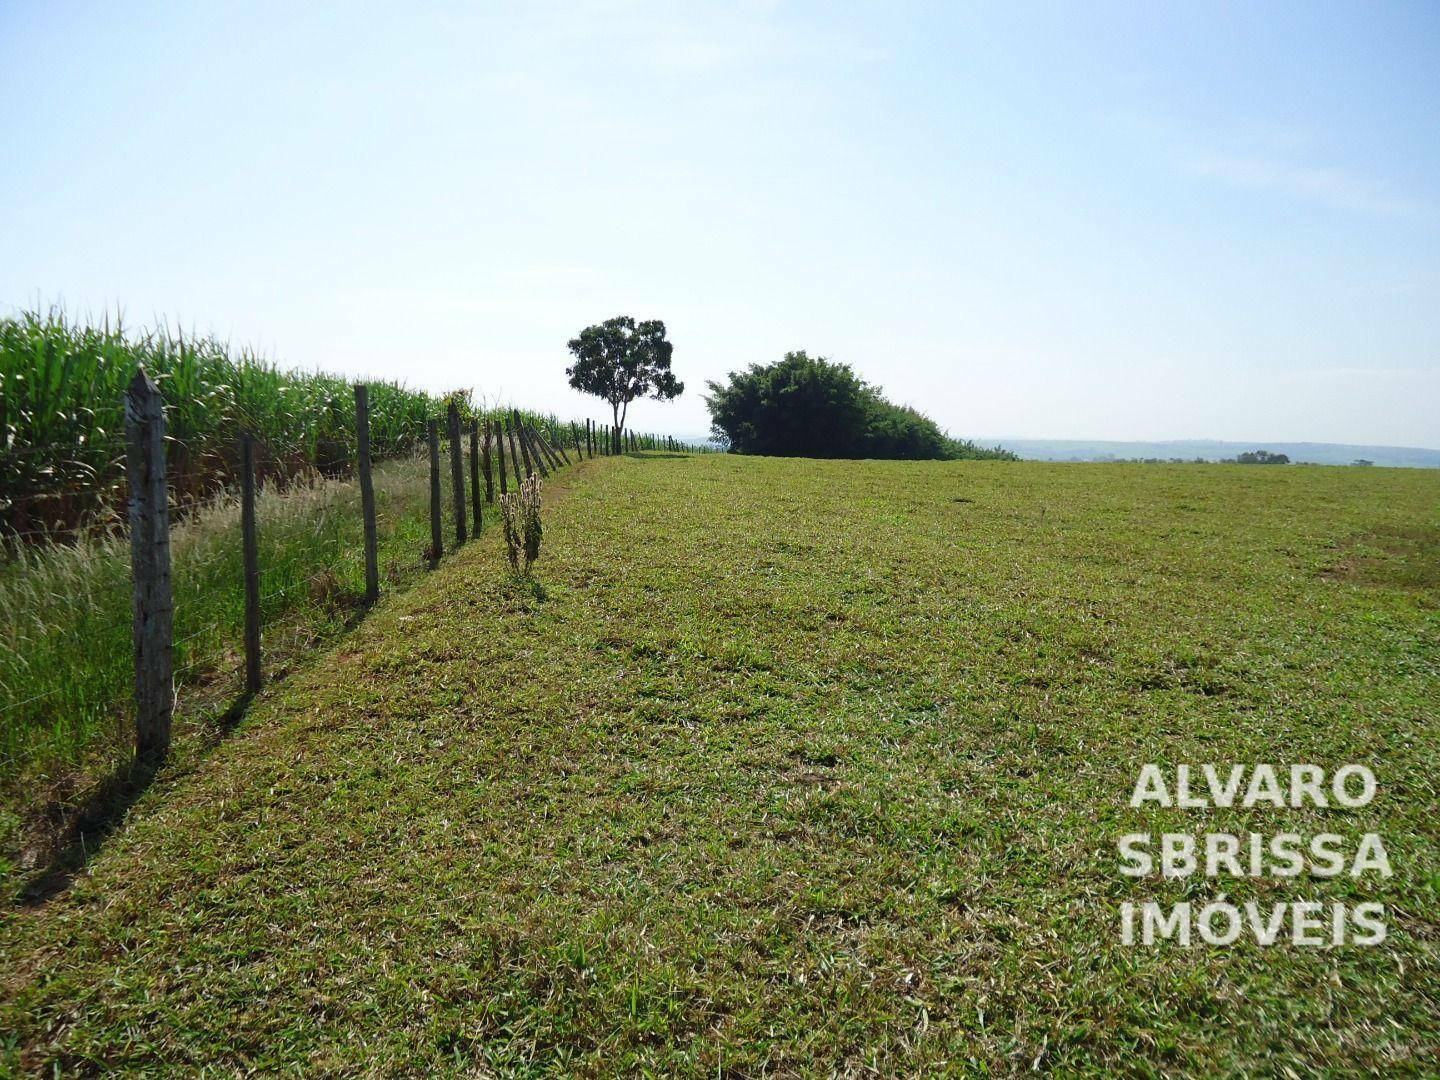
(1129, 221)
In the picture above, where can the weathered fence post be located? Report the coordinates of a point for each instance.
(150, 566)
(514, 456)
(500, 452)
(528, 434)
(432, 433)
(558, 446)
(519, 432)
(475, 515)
(589, 439)
(546, 450)
(367, 492)
(457, 468)
(250, 550)
(575, 435)
(485, 459)
(542, 455)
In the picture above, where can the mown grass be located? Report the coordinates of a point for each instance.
(788, 767)
(66, 665)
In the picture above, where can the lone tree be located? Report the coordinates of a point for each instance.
(621, 360)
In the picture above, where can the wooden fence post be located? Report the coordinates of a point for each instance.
(543, 450)
(250, 550)
(514, 456)
(531, 438)
(476, 519)
(488, 465)
(154, 604)
(556, 448)
(542, 454)
(457, 468)
(367, 492)
(546, 450)
(518, 432)
(432, 433)
(499, 430)
(575, 436)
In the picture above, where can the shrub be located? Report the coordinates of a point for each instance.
(807, 406)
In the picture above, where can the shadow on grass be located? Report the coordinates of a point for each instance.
(653, 455)
(88, 824)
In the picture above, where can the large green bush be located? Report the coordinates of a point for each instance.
(807, 406)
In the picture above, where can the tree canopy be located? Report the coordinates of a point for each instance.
(620, 360)
(1263, 457)
(805, 406)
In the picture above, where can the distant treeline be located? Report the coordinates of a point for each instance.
(62, 427)
(1250, 457)
(805, 406)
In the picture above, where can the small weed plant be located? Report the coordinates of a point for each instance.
(520, 515)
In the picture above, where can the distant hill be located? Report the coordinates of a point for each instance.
(1214, 450)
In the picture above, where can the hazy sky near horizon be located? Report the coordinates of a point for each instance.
(1128, 221)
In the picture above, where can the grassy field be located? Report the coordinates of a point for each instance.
(66, 666)
(790, 767)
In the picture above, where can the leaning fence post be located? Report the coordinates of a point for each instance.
(457, 468)
(251, 554)
(154, 604)
(500, 452)
(519, 432)
(543, 450)
(367, 492)
(555, 446)
(492, 430)
(537, 447)
(432, 433)
(532, 441)
(514, 457)
(475, 516)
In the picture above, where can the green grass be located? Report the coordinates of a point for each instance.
(789, 767)
(66, 667)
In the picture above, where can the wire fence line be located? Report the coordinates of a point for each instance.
(205, 614)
